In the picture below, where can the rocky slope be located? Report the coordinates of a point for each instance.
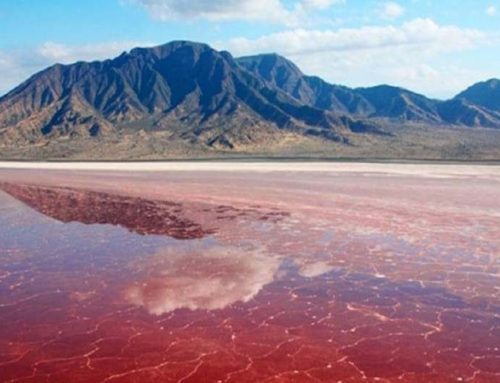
(484, 94)
(185, 99)
(191, 91)
(478, 106)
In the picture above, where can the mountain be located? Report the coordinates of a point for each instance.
(459, 111)
(196, 94)
(380, 101)
(281, 73)
(476, 106)
(185, 99)
(484, 94)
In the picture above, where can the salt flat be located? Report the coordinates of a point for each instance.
(417, 169)
(245, 271)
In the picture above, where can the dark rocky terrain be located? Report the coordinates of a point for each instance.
(185, 99)
(478, 106)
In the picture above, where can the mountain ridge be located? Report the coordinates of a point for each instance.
(385, 101)
(190, 96)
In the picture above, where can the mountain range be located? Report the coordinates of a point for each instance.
(185, 99)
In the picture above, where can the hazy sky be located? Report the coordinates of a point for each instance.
(433, 47)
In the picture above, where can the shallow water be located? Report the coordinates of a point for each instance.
(244, 276)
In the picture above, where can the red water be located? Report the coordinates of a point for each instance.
(248, 277)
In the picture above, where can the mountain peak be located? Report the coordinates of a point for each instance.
(278, 72)
(163, 50)
(269, 65)
(182, 90)
(191, 95)
(486, 94)
(493, 82)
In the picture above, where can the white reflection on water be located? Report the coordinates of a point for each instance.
(203, 278)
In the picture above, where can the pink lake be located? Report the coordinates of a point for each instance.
(250, 273)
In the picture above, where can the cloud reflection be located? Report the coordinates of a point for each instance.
(203, 278)
(314, 269)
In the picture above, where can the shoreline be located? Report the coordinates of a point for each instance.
(263, 159)
(392, 168)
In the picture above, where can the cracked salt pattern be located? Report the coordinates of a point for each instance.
(246, 277)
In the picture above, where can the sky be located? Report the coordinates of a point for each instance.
(436, 48)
